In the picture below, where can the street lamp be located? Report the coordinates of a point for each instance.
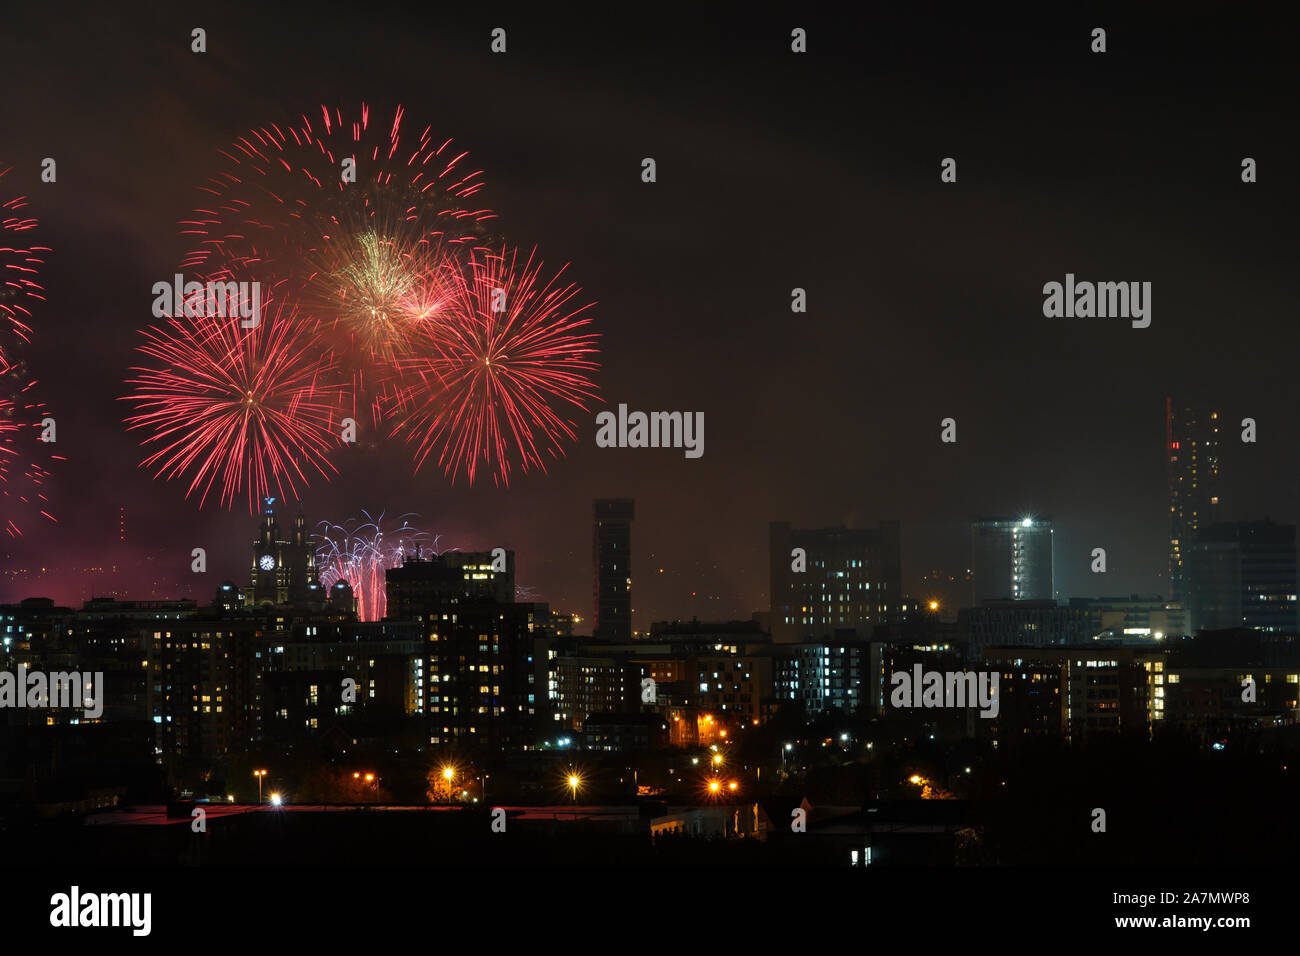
(574, 781)
(259, 774)
(449, 774)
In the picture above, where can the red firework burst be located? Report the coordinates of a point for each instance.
(496, 370)
(347, 252)
(20, 262)
(251, 409)
(22, 473)
(23, 453)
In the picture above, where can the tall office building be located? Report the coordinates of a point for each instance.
(1242, 575)
(612, 556)
(841, 579)
(1192, 447)
(1011, 559)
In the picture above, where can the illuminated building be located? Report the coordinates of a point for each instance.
(711, 677)
(447, 578)
(1204, 685)
(579, 685)
(1011, 559)
(1192, 447)
(477, 657)
(1135, 618)
(478, 668)
(823, 676)
(303, 691)
(1242, 575)
(1075, 692)
(205, 680)
(842, 578)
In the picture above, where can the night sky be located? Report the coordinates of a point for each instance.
(775, 171)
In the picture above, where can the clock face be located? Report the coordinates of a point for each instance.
(266, 562)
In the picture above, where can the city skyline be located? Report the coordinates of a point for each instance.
(859, 566)
(1088, 449)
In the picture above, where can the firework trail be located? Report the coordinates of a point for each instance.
(359, 551)
(507, 349)
(23, 455)
(22, 473)
(244, 410)
(20, 261)
(347, 253)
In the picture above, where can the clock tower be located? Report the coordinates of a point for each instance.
(283, 569)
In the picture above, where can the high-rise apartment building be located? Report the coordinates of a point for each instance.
(1192, 447)
(478, 644)
(449, 577)
(833, 579)
(1011, 559)
(612, 557)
